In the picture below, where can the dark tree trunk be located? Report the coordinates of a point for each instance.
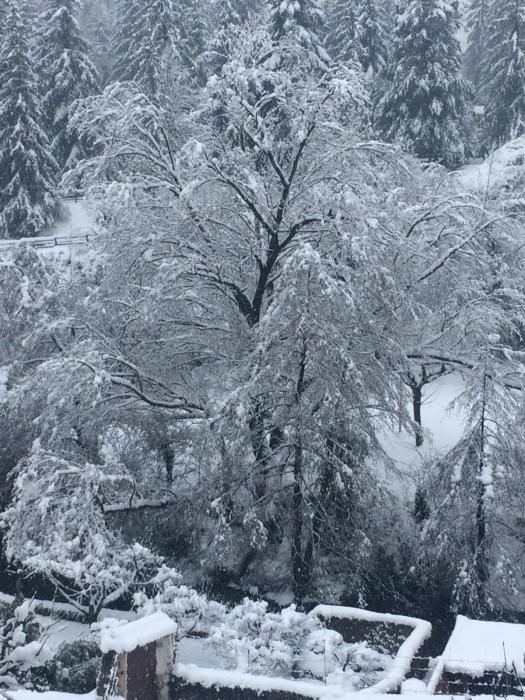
(300, 571)
(317, 520)
(417, 395)
(169, 461)
(481, 564)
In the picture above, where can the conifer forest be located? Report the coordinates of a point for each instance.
(262, 306)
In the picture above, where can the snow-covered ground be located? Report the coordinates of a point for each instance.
(496, 172)
(443, 426)
(78, 221)
(328, 695)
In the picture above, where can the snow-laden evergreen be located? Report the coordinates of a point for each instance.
(503, 72)
(476, 22)
(303, 20)
(372, 38)
(424, 108)
(145, 42)
(193, 37)
(341, 34)
(67, 74)
(97, 21)
(28, 170)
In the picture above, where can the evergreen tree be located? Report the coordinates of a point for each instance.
(341, 37)
(476, 23)
(146, 37)
(27, 168)
(503, 79)
(424, 109)
(67, 74)
(226, 13)
(98, 25)
(371, 36)
(302, 19)
(193, 31)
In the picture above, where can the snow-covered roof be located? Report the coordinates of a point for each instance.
(126, 638)
(476, 647)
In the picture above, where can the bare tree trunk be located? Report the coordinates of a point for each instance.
(417, 395)
(169, 461)
(300, 571)
(480, 560)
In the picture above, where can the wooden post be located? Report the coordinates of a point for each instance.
(137, 659)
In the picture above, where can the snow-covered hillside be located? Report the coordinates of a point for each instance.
(443, 425)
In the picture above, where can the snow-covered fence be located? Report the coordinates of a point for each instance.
(420, 631)
(403, 636)
(192, 682)
(49, 242)
(137, 658)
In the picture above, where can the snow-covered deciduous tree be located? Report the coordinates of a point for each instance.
(67, 74)
(193, 612)
(424, 109)
(56, 526)
(469, 519)
(503, 72)
(28, 170)
(282, 286)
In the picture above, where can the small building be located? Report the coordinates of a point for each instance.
(481, 658)
(137, 659)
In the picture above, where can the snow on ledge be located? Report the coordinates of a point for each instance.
(126, 638)
(345, 613)
(406, 652)
(209, 677)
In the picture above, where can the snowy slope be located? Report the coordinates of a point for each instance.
(443, 426)
(77, 221)
(497, 172)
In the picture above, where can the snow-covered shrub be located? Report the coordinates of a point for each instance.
(75, 667)
(56, 527)
(293, 644)
(192, 611)
(324, 652)
(256, 641)
(326, 656)
(19, 634)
